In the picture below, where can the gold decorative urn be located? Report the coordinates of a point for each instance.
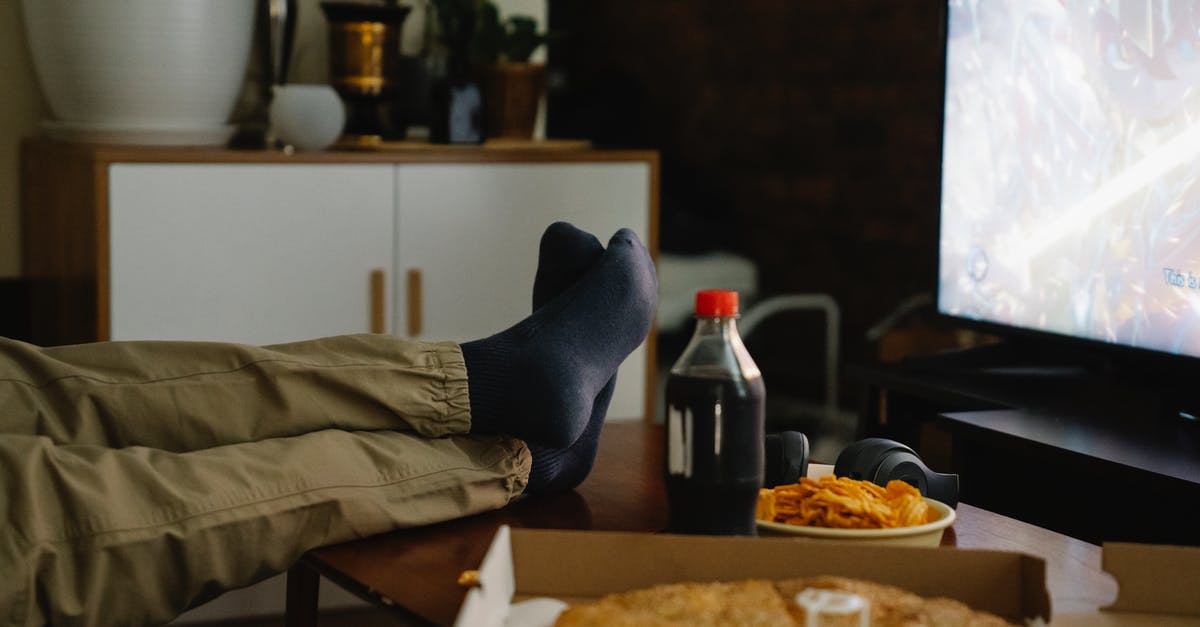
(364, 49)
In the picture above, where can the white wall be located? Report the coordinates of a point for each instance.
(21, 107)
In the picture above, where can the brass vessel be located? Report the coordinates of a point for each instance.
(364, 53)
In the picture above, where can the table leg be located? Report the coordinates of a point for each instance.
(303, 586)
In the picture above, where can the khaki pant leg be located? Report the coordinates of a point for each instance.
(182, 396)
(100, 536)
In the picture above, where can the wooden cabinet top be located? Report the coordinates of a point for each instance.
(564, 151)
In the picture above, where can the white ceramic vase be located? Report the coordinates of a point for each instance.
(140, 71)
(306, 117)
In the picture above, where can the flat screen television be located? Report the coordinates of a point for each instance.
(1070, 187)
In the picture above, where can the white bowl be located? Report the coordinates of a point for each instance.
(928, 534)
(133, 64)
(307, 117)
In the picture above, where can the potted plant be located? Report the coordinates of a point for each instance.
(512, 85)
(488, 83)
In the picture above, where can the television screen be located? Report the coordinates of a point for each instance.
(1070, 198)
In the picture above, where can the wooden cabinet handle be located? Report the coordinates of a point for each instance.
(378, 296)
(414, 302)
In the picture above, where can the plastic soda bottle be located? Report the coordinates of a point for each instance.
(715, 426)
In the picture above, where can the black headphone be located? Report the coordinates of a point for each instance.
(878, 460)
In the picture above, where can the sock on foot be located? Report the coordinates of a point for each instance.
(560, 469)
(564, 255)
(539, 379)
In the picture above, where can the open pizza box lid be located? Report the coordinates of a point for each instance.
(1157, 585)
(528, 575)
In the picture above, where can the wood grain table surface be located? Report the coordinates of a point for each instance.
(414, 571)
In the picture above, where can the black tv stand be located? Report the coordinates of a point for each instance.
(1012, 359)
(1049, 435)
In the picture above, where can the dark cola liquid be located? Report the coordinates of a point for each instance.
(714, 454)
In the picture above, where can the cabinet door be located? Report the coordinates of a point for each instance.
(471, 231)
(246, 253)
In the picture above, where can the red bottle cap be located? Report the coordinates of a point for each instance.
(716, 303)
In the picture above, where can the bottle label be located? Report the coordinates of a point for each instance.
(679, 441)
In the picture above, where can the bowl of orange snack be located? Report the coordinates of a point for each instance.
(841, 508)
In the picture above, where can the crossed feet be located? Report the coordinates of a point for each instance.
(549, 378)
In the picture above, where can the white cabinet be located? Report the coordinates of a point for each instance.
(261, 247)
(270, 253)
(252, 253)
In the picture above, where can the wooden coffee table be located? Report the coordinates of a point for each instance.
(414, 572)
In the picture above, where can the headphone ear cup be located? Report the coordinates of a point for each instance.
(861, 459)
(909, 468)
(785, 457)
(905, 466)
(880, 460)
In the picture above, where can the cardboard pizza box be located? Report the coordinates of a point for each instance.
(529, 575)
(1156, 585)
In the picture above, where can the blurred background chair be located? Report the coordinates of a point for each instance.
(829, 428)
(681, 276)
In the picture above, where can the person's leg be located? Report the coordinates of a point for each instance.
(181, 396)
(195, 524)
(137, 535)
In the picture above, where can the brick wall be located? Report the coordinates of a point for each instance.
(802, 134)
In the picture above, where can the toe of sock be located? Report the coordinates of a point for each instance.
(642, 297)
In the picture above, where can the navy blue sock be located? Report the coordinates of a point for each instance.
(539, 379)
(560, 469)
(564, 256)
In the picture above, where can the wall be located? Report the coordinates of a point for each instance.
(21, 108)
(803, 135)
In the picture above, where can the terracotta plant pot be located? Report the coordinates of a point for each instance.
(511, 94)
